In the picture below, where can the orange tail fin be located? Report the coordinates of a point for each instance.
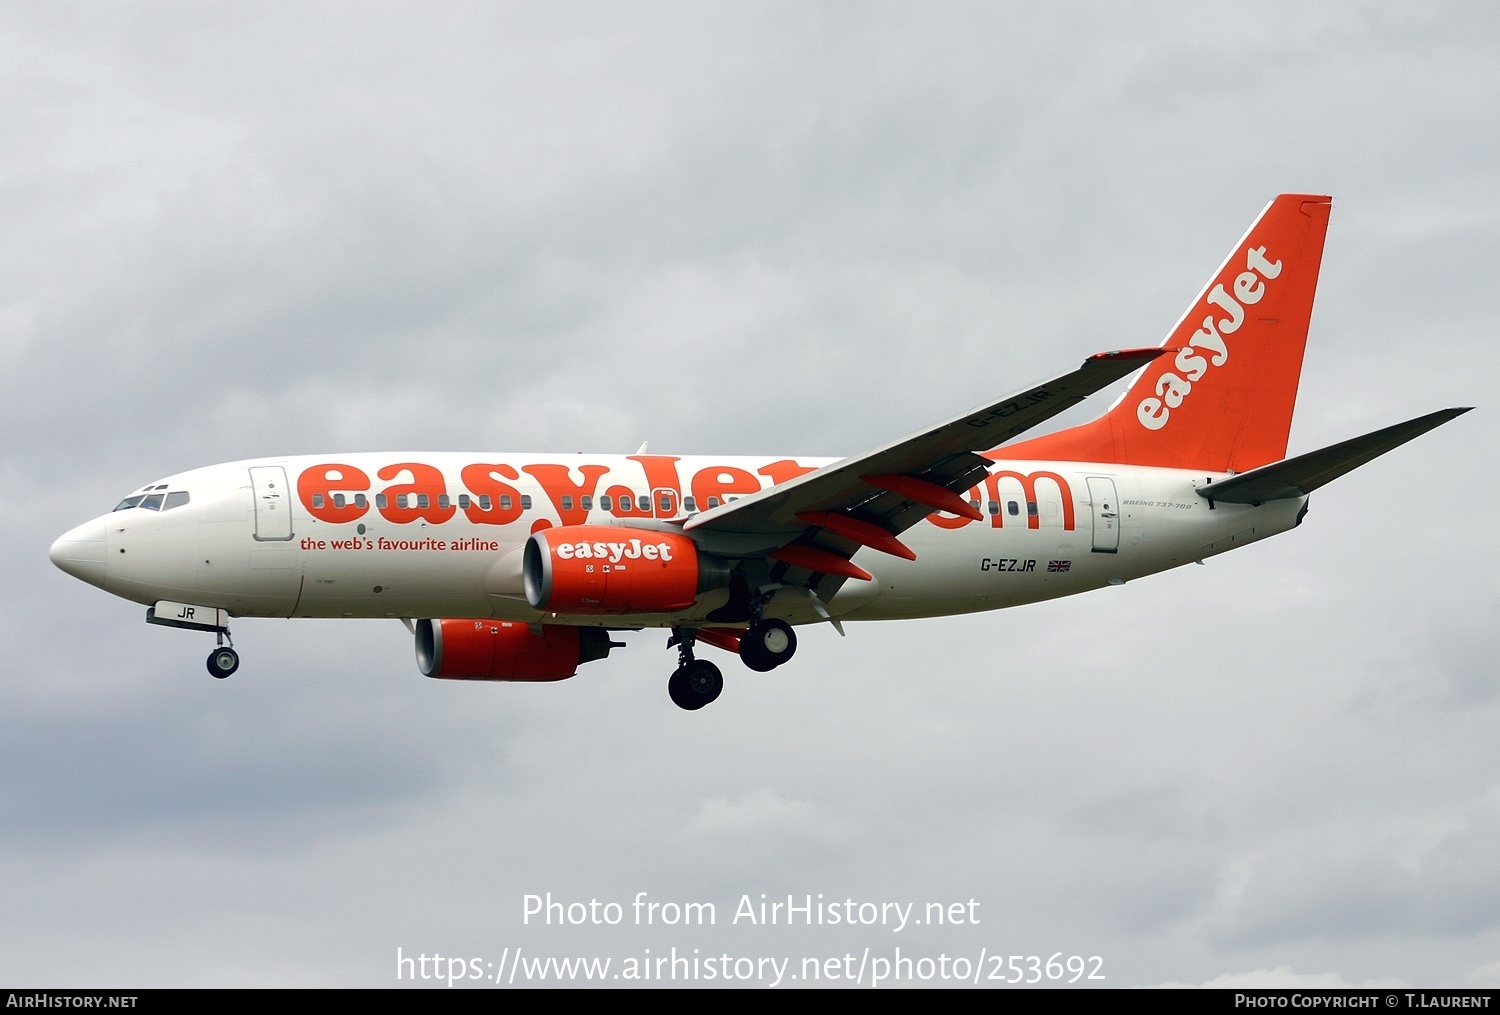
(1224, 401)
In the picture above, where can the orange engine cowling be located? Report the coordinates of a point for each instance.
(609, 569)
(502, 650)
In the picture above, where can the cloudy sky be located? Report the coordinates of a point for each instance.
(748, 228)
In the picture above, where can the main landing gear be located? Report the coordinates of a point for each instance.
(695, 682)
(767, 645)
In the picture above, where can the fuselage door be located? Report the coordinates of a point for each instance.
(273, 508)
(1106, 514)
(664, 502)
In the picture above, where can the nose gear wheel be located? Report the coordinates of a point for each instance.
(223, 661)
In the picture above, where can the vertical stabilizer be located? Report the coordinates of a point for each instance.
(1223, 401)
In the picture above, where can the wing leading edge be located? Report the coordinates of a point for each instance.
(944, 456)
(810, 526)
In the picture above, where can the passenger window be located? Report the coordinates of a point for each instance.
(338, 500)
(1031, 508)
(688, 503)
(318, 500)
(484, 502)
(587, 503)
(713, 502)
(401, 500)
(665, 503)
(525, 502)
(443, 501)
(381, 501)
(421, 501)
(360, 501)
(176, 498)
(567, 503)
(463, 501)
(1013, 508)
(994, 507)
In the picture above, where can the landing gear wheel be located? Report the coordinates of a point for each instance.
(695, 684)
(767, 644)
(223, 661)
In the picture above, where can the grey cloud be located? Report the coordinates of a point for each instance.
(754, 229)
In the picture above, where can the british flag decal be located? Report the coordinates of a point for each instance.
(1055, 566)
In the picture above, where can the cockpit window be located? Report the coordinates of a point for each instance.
(150, 501)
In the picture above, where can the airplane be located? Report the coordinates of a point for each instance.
(517, 567)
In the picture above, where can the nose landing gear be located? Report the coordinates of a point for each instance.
(223, 660)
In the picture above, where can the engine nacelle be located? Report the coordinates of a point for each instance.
(610, 569)
(502, 650)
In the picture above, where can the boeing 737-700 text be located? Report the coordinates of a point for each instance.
(517, 567)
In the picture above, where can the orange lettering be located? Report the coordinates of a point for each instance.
(719, 480)
(557, 481)
(426, 485)
(488, 481)
(661, 472)
(1028, 491)
(780, 472)
(322, 481)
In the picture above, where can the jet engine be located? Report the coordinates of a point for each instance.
(502, 650)
(609, 569)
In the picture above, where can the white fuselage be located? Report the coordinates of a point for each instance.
(351, 536)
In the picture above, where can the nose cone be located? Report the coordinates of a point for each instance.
(80, 552)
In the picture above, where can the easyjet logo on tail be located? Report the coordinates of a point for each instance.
(1207, 347)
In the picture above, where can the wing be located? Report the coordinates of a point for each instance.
(809, 527)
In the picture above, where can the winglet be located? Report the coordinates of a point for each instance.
(1143, 355)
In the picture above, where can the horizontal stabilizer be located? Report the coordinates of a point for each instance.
(1297, 477)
